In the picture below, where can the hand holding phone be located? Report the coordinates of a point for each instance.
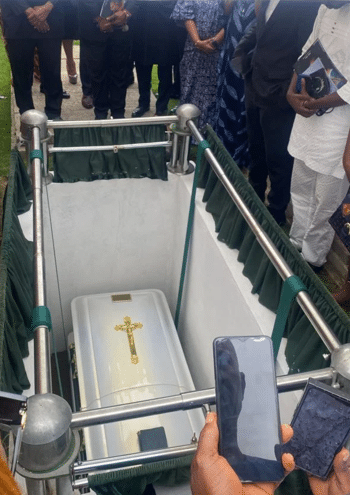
(247, 407)
(211, 473)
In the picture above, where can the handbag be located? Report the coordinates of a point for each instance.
(340, 221)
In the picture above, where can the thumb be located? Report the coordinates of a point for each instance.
(342, 463)
(208, 442)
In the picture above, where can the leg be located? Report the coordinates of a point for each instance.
(85, 78)
(119, 70)
(144, 73)
(96, 56)
(164, 88)
(329, 192)
(21, 55)
(50, 67)
(277, 125)
(256, 145)
(176, 88)
(71, 67)
(302, 192)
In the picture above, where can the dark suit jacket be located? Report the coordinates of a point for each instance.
(17, 26)
(88, 10)
(156, 38)
(271, 49)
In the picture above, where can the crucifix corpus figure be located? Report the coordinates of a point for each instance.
(129, 327)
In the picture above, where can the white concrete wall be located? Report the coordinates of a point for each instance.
(128, 234)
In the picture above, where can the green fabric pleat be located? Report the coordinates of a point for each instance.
(291, 288)
(133, 481)
(16, 282)
(305, 350)
(87, 166)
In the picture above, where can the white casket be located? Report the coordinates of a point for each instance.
(128, 350)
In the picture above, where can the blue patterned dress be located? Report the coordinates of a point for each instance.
(198, 70)
(227, 115)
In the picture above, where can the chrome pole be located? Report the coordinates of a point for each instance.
(284, 383)
(115, 148)
(133, 459)
(187, 400)
(304, 300)
(42, 359)
(66, 124)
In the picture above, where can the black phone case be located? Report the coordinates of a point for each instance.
(321, 424)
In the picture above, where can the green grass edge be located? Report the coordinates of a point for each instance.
(5, 110)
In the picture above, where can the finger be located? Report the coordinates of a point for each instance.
(303, 87)
(286, 432)
(288, 462)
(342, 467)
(208, 442)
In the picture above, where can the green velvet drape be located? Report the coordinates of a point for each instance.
(85, 165)
(304, 349)
(133, 481)
(16, 281)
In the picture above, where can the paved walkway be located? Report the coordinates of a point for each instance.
(72, 108)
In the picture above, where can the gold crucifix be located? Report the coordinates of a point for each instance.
(129, 327)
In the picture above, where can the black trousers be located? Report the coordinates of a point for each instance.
(84, 70)
(109, 65)
(144, 74)
(21, 55)
(268, 135)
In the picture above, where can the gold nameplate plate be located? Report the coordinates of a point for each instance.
(129, 327)
(121, 298)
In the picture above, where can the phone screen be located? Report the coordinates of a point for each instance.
(247, 407)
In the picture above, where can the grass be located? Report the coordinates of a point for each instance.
(5, 111)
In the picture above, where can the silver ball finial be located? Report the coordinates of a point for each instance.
(30, 119)
(186, 112)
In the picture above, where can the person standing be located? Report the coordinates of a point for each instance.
(266, 56)
(227, 115)
(204, 21)
(156, 40)
(107, 51)
(30, 24)
(318, 141)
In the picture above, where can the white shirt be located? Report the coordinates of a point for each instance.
(320, 141)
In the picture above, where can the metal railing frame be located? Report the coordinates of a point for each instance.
(183, 401)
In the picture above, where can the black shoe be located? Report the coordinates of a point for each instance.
(314, 268)
(139, 111)
(160, 113)
(65, 95)
(87, 101)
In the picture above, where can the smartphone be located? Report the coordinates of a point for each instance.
(321, 425)
(247, 407)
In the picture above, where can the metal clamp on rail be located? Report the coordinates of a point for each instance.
(179, 163)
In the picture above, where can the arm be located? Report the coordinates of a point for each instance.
(346, 158)
(202, 45)
(328, 101)
(241, 59)
(300, 101)
(37, 16)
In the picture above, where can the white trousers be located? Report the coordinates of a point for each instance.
(315, 197)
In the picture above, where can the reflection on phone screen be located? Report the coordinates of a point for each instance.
(247, 407)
